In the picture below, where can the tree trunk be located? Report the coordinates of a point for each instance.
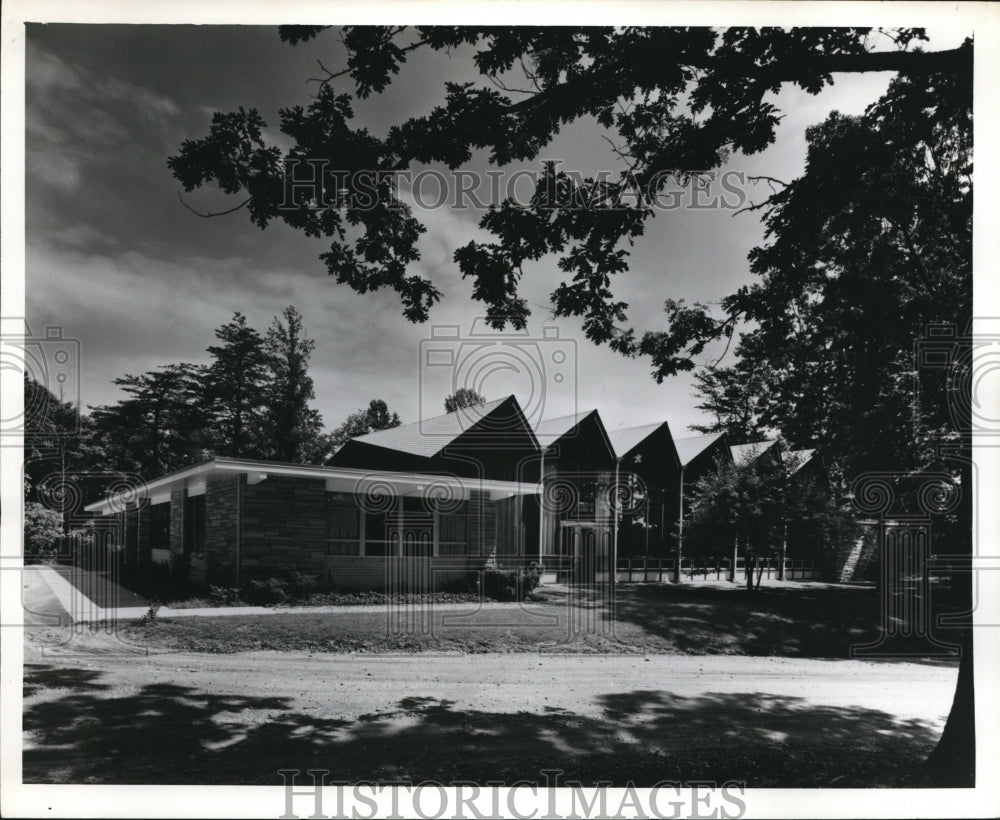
(952, 764)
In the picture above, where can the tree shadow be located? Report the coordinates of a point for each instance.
(812, 622)
(167, 733)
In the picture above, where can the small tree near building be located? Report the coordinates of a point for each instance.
(462, 398)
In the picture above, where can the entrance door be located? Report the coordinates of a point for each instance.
(586, 549)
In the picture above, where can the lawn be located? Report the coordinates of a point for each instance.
(791, 621)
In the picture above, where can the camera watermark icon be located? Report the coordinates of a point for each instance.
(51, 361)
(536, 367)
(970, 366)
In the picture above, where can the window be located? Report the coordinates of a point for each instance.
(586, 508)
(343, 526)
(453, 531)
(159, 525)
(194, 524)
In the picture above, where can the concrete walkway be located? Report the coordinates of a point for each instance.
(56, 599)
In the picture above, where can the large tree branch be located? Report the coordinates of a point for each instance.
(955, 60)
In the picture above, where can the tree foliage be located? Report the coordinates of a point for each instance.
(161, 426)
(43, 531)
(292, 429)
(462, 398)
(251, 400)
(869, 247)
(752, 505)
(734, 397)
(674, 99)
(366, 420)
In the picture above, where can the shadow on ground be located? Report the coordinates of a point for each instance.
(168, 733)
(817, 622)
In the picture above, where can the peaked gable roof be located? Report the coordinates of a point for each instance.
(625, 441)
(429, 437)
(548, 432)
(688, 449)
(797, 458)
(745, 453)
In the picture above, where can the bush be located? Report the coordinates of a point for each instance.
(224, 596)
(268, 591)
(510, 584)
(154, 581)
(43, 532)
(300, 585)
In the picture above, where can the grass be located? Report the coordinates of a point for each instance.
(338, 599)
(807, 622)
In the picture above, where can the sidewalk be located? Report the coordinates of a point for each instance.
(54, 598)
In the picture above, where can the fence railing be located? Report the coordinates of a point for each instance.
(641, 568)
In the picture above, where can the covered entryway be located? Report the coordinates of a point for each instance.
(585, 547)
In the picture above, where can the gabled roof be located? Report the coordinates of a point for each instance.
(429, 437)
(550, 431)
(625, 441)
(797, 458)
(745, 453)
(688, 449)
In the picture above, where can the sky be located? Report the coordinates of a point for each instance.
(116, 260)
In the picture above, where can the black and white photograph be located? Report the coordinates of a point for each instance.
(516, 409)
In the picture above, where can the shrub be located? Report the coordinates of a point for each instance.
(267, 591)
(224, 596)
(43, 532)
(509, 584)
(159, 581)
(300, 585)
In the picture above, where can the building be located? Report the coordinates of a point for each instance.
(403, 510)
(418, 506)
(576, 533)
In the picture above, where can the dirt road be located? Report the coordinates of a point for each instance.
(186, 718)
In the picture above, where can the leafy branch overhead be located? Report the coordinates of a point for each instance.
(678, 99)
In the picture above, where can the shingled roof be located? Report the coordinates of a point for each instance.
(745, 453)
(625, 441)
(688, 449)
(550, 431)
(429, 437)
(797, 458)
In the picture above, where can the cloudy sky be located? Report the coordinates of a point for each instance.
(116, 260)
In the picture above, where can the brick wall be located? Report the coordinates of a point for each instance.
(145, 534)
(284, 525)
(177, 522)
(219, 565)
(351, 573)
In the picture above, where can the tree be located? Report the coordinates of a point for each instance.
(364, 421)
(675, 98)
(462, 398)
(293, 431)
(750, 506)
(235, 388)
(161, 426)
(43, 530)
(734, 396)
(57, 436)
(870, 246)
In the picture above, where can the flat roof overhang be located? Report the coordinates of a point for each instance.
(338, 479)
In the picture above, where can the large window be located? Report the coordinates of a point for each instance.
(159, 523)
(343, 520)
(194, 524)
(453, 531)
